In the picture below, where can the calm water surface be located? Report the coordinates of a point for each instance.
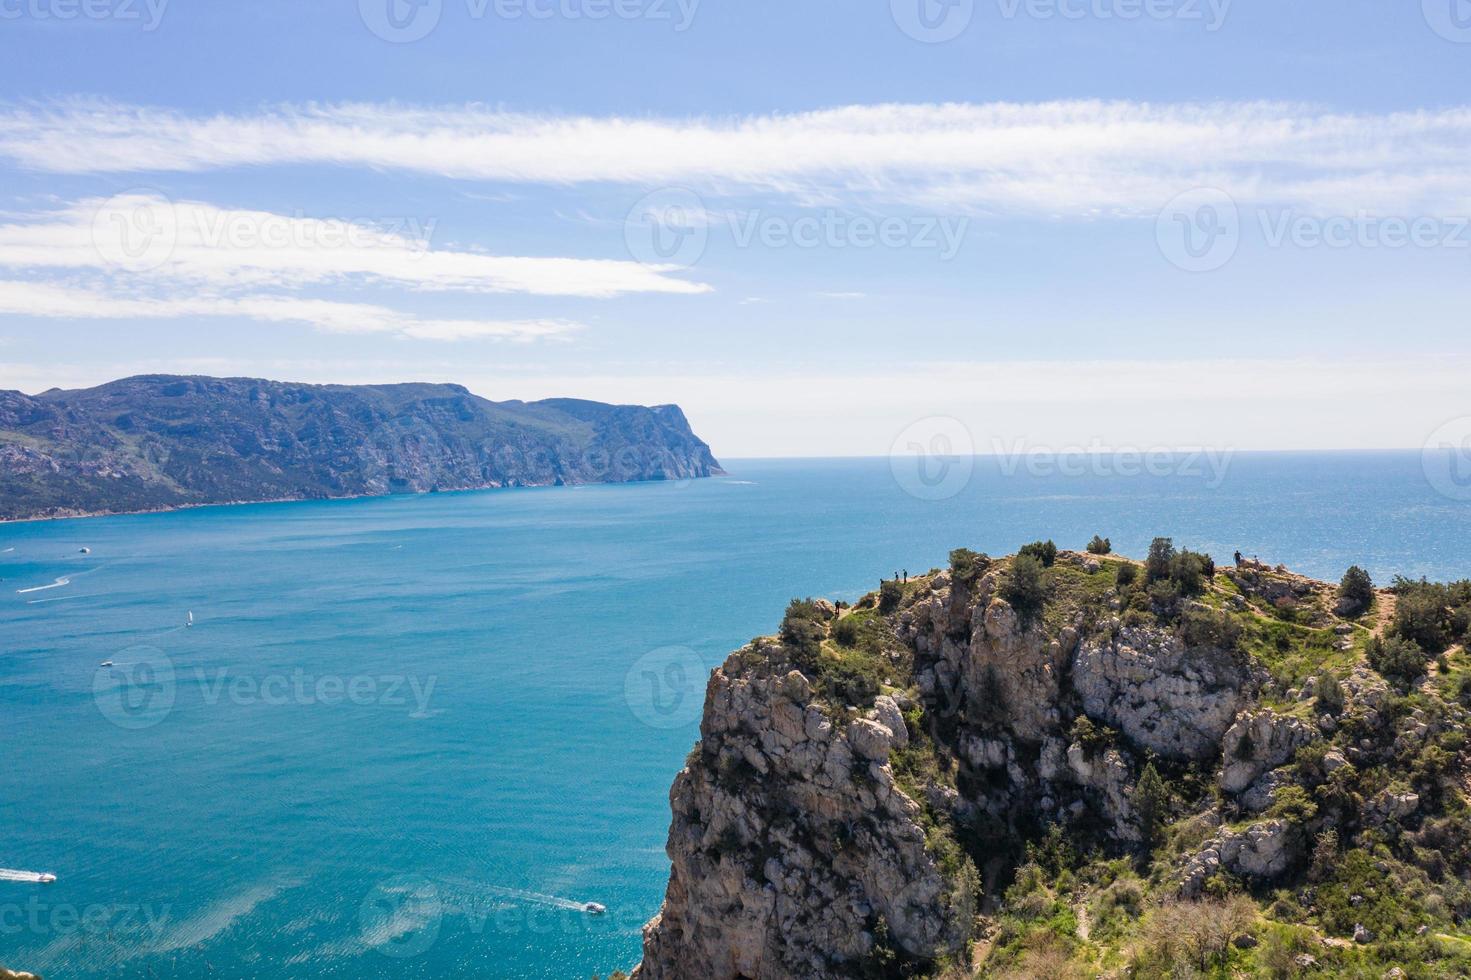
(406, 736)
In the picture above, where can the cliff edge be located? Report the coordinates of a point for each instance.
(1077, 765)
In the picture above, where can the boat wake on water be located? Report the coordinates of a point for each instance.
(42, 588)
(28, 877)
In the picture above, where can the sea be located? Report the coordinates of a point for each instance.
(413, 736)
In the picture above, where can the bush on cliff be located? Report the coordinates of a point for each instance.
(890, 595)
(966, 566)
(802, 631)
(1355, 592)
(1396, 658)
(1099, 546)
(1026, 587)
(1043, 551)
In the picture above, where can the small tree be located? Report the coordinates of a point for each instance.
(1099, 546)
(966, 566)
(1161, 554)
(1026, 587)
(845, 632)
(1330, 695)
(1396, 658)
(1151, 798)
(1355, 592)
(890, 594)
(1043, 551)
(1127, 573)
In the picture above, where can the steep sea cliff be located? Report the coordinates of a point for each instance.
(1077, 765)
(159, 442)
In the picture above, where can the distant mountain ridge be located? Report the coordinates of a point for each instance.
(156, 442)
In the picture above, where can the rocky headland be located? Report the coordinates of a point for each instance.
(159, 442)
(1061, 765)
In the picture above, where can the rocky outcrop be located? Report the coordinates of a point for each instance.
(1168, 697)
(162, 441)
(1259, 741)
(12, 975)
(1262, 851)
(849, 782)
(794, 854)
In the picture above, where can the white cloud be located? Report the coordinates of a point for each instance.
(151, 238)
(77, 303)
(1066, 158)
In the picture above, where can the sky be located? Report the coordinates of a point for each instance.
(822, 228)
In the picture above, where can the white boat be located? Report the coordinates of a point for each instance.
(85, 551)
(107, 663)
(190, 620)
(46, 879)
(593, 908)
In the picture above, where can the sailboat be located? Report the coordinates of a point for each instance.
(190, 620)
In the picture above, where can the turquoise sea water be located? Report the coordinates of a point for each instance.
(406, 735)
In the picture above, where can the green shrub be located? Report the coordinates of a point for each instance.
(1292, 803)
(1094, 739)
(1025, 587)
(1200, 628)
(1043, 551)
(1330, 695)
(1151, 800)
(890, 594)
(1161, 554)
(801, 631)
(1127, 573)
(1099, 546)
(966, 566)
(845, 632)
(1420, 616)
(1397, 658)
(1355, 591)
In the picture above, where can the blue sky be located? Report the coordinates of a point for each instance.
(872, 229)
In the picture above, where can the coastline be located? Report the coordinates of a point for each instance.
(173, 508)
